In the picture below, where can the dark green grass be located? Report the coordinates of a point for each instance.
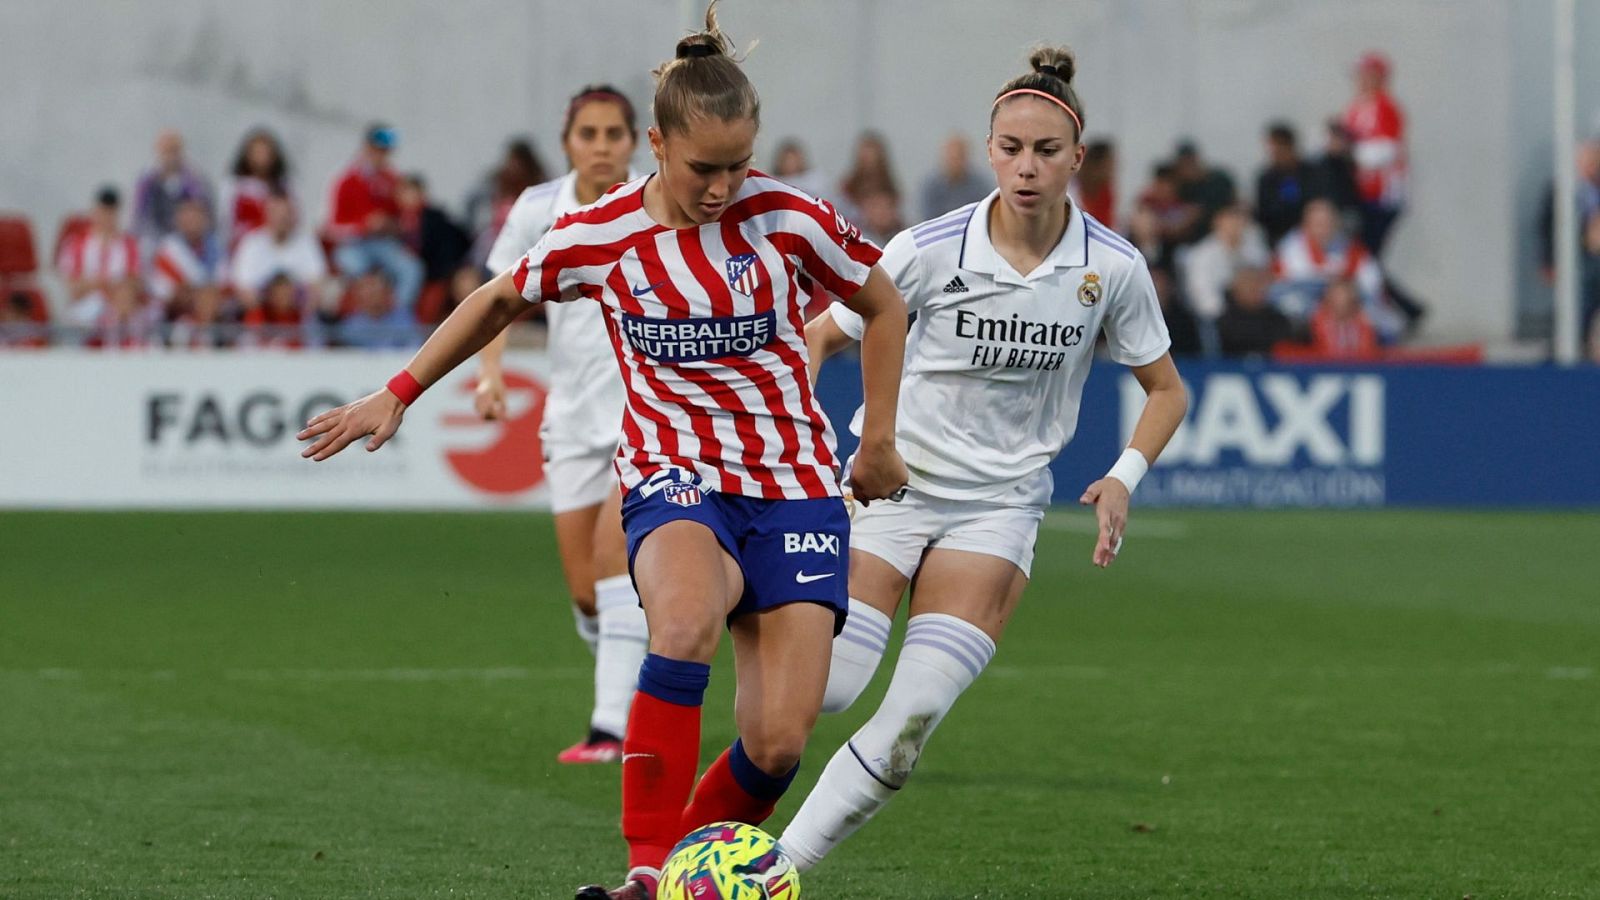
(1247, 705)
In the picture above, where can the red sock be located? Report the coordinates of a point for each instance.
(659, 757)
(734, 790)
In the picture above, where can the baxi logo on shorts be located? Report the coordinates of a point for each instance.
(693, 340)
(682, 494)
(743, 276)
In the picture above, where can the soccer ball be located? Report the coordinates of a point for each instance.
(729, 861)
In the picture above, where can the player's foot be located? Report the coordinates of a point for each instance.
(642, 887)
(596, 748)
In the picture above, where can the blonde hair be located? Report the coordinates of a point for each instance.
(703, 80)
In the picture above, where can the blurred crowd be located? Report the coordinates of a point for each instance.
(1289, 265)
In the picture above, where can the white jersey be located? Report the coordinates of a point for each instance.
(583, 413)
(996, 360)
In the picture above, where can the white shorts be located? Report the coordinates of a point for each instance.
(580, 481)
(898, 533)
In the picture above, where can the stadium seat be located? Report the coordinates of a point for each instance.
(17, 256)
(74, 224)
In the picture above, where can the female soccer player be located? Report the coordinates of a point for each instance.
(1009, 294)
(732, 510)
(582, 419)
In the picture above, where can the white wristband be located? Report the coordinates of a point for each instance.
(1130, 467)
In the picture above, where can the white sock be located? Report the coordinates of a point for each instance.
(857, 650)
(941, 657)
(624, 640)
(588, 629)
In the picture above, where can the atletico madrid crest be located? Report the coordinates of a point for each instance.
(682, 494)
(743, 275)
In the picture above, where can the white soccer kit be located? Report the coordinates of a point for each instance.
(583, 414)
(994, 371)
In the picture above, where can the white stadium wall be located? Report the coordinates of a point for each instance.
(88, 82)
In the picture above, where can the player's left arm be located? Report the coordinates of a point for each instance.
(878, 471)
(1166, 403)
(824, 338)
(1136, 336)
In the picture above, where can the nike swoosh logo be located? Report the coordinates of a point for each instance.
(628, 756)
(640, 292)
(803, 578)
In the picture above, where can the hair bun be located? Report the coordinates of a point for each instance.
(693, 49)
(1056, 62)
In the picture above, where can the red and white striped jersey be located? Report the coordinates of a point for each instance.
(707, 326)
(179, 264)
(92, 256)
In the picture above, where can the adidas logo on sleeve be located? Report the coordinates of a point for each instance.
(956, 286)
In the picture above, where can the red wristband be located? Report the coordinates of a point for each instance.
(406, 387)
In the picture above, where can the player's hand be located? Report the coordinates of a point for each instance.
(489, 397)
(878, 471)
(377, 414)
(1109, 497)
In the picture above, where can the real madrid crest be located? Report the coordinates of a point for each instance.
(1089, 291)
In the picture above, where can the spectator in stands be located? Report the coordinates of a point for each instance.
(99, 262)
(1318, 252)
(1590, 275)
(954, 184)
(490, 201)
(188, 273)
(1182, 328)
(431, 234)
(18, 325)
(163, 186)
(1250, 327)
(1588, 204)
(1095, 187)
(869, 174)
(1284, 184)
(259, 169)
(463, 282)
(284, 317)
(793, 166)
(1202, 189)
(366, 220)
(279, 248)
(1333, 174)
(1340, 328)
(878, 212)
(1209, 266)
(376, 321)
(1377, 130)
(1159, 218)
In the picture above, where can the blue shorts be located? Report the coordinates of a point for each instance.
(789, 550)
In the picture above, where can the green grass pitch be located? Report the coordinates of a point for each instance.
(1248, 704)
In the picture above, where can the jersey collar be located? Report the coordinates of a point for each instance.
(978, 253)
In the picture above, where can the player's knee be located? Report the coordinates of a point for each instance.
(685, 637)
(776, 750)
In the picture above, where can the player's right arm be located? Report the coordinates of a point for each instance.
(543, 274)
(484, 314)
